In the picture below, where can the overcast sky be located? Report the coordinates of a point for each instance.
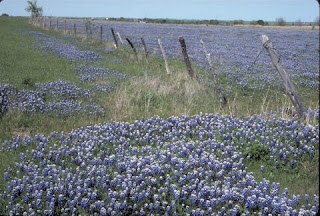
(269, 10)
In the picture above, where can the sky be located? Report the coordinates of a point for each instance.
(248, 10)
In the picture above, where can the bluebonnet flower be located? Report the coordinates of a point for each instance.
(147, 179)
(38, 203)
(85, 203)
(306, 198)
(103, 211)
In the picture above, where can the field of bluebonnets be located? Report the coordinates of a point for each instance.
(88, 129)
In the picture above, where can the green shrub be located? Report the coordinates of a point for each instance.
(257, 152)
(214, 22)
(260, 22)
(280, 21)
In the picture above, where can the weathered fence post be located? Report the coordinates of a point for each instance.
(286, 80)
(50, 23)
(34, 21)
(114, 38)
(101, 33)
(37, 21)
(145, 49)
(87, 31)
(185, 56)
(43, 22)
(134, 50)
(65, 26)
(74, 29)
(222, 99)
(164, 56)
(121, 41)
(57, 27)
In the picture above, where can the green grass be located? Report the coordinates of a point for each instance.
(153, 92)
(21, 63)
(303, 179)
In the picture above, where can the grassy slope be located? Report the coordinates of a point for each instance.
(154, 94)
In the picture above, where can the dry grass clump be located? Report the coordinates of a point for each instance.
(165, 95)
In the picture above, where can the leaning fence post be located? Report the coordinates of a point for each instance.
(114, 38)
(145, 49)
(120, 37)
(164, 56)
(185, 56)
(74, 29)
(134, 50)
(222, 99)
(286, 80)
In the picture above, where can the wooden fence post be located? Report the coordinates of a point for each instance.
(34, 21)
(164, 56)
(57, 27)
(74, 29)
(222, 99)
(50, 23)
(43, 22)
(121, 41)
(37, 21)
(87, 32)
(145, 49)
(65, 26)
(101, 33)
(134, 50)
(114, 38)
(286, 80)
(185, 56)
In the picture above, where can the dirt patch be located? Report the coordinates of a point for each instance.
(21, 133)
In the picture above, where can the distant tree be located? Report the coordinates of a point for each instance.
(35, 10)
(214, 22)
(238, 22)
(253, 22)
(163, 21)
(260, 22)
(280, 21)
(4, 14)
(145, 20)
(298, 22)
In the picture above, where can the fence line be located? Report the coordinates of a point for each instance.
(267, 44)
